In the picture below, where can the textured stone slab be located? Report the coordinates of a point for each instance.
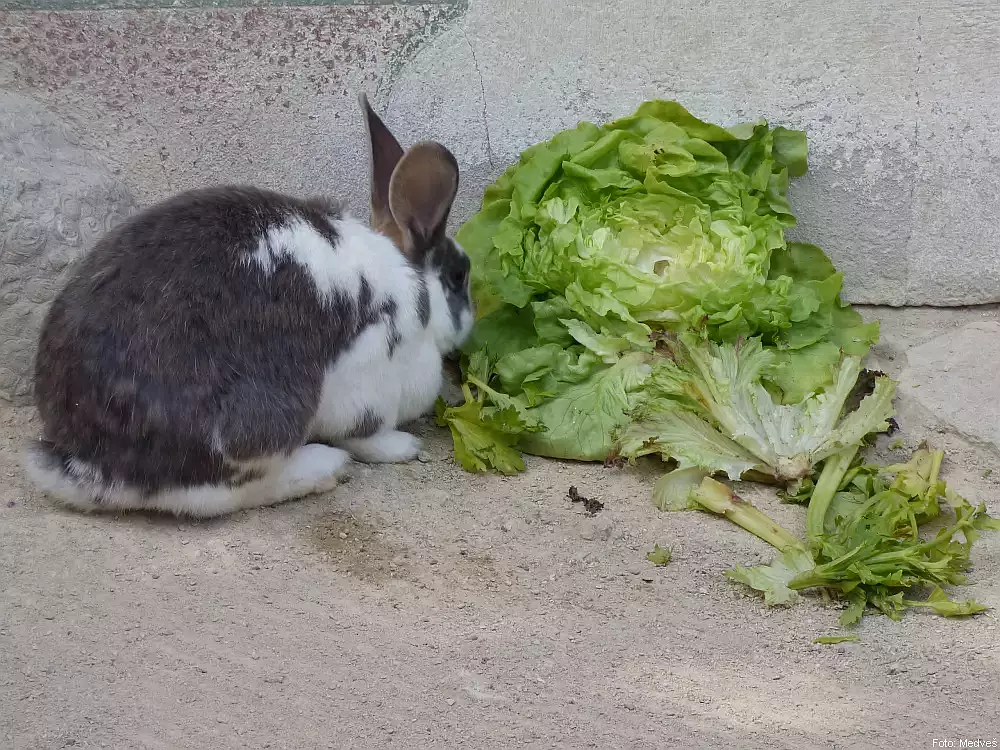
(56, 199)
(180, 98)
(181, 4)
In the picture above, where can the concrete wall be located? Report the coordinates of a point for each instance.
(899, 98)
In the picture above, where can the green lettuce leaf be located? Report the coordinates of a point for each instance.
(582, 419)
(772, 580)
(688, 438)
(485, 433)
(659, 556)
(483, 442)
(741, 427)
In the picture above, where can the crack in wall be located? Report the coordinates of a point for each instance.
(482, 90)
(907, 285)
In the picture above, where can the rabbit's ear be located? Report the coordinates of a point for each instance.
(386, 153)
(421, 194)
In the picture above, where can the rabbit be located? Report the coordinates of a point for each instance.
(233, 347)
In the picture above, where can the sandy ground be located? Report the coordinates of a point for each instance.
(420, 606)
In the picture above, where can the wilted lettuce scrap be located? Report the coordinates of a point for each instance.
(830, 640)
(601, 238)
(864, 539)
(659, 556)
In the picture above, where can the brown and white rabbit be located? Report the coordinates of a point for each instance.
(211, 351)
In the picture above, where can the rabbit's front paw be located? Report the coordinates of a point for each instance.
(384, 447)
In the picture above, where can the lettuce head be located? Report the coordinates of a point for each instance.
(604, 238)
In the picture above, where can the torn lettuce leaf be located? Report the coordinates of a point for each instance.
(738, 426)
(674, 490)
(580, 422)
(870, 550)
(603, 237)
(715, 497)
(659, 556)
(484, 437)
(939, 602)
(485, 433)
(772, 580)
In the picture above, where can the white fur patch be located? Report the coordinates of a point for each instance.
(395, 384)
(310, 469)
(366, 378)
(359, 253)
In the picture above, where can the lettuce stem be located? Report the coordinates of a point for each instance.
(834, 469)
(717, 498)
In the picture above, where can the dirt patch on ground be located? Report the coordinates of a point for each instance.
(353, 546)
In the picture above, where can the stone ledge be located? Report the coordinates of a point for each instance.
(956, 377)
(60, 5)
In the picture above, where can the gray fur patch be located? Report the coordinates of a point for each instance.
(424, 302)
(366, 425)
